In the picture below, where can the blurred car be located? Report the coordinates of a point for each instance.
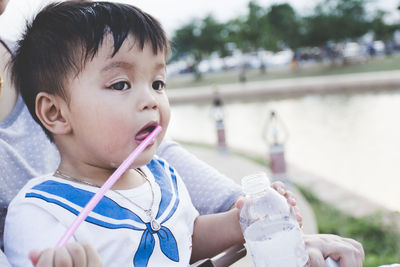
(353, 52)
(379, 47)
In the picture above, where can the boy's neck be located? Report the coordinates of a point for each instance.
(130, 179)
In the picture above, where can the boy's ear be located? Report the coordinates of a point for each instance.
(49, 110)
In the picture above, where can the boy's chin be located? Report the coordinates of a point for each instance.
(145, 157)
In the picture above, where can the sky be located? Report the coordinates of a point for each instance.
(174, 13)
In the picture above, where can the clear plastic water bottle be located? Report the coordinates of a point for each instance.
(269, 225)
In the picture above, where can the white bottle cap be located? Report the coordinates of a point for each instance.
(255, 183)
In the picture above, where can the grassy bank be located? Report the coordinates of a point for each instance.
(377, 232)
(376, 64)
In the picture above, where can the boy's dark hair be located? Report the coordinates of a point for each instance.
(65, 36)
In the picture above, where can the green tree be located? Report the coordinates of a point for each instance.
(199, 39)
(284, 24)
(317, 30)
(335, 20)
(352, 21)
(184, 39)
(211, 37)
(254, 31)
(184, 42)
(232, 32)
(381, 30)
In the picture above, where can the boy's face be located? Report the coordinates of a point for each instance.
(116, 101)
(3, 5)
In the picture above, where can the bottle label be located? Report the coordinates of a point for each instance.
(277, 243)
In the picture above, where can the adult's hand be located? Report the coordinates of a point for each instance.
(346, 251)
(72, 255)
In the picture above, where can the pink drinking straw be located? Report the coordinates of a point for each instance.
(106, 186)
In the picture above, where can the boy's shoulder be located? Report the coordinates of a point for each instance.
(45, 186)
(34, 182)
(20, 198)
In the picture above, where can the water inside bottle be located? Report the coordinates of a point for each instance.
(280, 243)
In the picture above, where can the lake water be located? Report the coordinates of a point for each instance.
(352, 140)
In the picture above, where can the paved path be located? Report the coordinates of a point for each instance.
(343, 199)
(236, 167)
(279, 88)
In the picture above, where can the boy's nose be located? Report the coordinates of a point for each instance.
(148, 100)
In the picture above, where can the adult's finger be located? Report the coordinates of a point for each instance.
(350, 261)
(357, 245)
(315, 258)
(344, 250)
(347, 254)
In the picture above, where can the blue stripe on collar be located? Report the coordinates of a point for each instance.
(160, 172)
(65, 194)
(76, 212)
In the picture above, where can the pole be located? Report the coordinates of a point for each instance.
(218, 115)
(275, 135)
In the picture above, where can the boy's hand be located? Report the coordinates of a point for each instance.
(290, 198)
(281, 189)
(72, 255)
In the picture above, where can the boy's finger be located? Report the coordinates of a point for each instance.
(44, 258)
(279, 186)
(34, 256)
(93, 259)
(77, 254)
(291, 199)
(62, 258)
(239, 203)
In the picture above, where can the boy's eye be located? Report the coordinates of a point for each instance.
(120, 86)
(158, 85)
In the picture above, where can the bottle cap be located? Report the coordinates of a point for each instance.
(255, 183)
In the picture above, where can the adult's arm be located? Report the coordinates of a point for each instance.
(8, 94)
(210, 191)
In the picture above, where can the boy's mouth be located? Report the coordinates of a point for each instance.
(145, 131)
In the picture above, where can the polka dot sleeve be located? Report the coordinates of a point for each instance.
(210, 191)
